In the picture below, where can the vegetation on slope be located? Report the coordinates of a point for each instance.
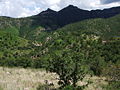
(87, 47)
(106, 28)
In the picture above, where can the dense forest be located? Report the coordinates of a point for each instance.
(89, 47)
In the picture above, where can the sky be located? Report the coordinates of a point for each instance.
(24, 8)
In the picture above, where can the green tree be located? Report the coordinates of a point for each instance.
(68, 66)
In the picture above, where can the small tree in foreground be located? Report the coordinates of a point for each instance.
(69, 68)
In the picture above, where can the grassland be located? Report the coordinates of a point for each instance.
(24, 79)
(29, 79)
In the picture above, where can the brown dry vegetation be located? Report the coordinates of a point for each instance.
(29, 79)
(24, 79)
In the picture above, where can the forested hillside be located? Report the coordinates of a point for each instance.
(74, 51)
(88, 47)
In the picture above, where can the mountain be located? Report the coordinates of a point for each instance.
(69, 42)
(72, 14)
(38, 26)
(47, 19)
(52, 20)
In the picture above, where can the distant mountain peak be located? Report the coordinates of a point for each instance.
(49, 10)
(71, 6)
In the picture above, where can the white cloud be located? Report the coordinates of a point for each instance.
(23, 8)
(17, 8)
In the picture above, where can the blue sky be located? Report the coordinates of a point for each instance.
(24, 8)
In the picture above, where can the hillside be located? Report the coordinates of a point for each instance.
(50, 20)
(87, 47)
(23, 38)
(105, 28)
(101, 30)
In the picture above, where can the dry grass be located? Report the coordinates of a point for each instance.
(29, 79)
(96, 83)
(24, 79)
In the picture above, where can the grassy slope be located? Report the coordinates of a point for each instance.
(29, 79)
(24, 79)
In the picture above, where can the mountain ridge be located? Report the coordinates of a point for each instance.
(50, 20)
(71, 14)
